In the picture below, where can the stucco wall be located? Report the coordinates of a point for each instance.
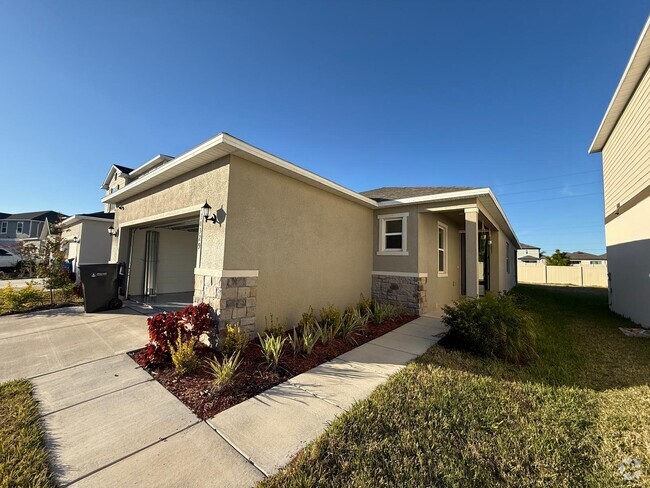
(182, 196)
(310, 247)
(444, 289)
(398, 263)
(628, 261)
(95, 242)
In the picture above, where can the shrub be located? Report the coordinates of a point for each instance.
(223, 371)
(272, 347)
(492, 326)
(307, 319)
(164, 329)
(183, 355)
(365, 305)
(330, 316)
(295, 340)
(18, 299)
(235, 341)
(310, 336)
(274, 328)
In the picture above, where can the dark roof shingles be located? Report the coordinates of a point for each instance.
(397, 192)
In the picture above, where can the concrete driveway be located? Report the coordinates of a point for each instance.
(108, 423)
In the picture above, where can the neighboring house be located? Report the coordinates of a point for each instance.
(87, 239)
(279, 238)
(527, 254)
(29, 227)
(580, 258)
(623, 138)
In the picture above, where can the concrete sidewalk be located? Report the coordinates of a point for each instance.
(108, 423)
(271, 428)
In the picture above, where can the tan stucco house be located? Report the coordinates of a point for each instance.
(623, 138)
(278, 238)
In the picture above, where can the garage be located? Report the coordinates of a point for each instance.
(162, 258)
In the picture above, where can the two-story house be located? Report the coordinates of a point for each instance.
(30, 226)
(623, 139)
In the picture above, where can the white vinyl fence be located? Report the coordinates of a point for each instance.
(563, 275)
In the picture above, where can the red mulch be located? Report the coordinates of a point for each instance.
(252, 376)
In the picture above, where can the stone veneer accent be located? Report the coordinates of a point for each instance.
(406, 291)
(234, 299)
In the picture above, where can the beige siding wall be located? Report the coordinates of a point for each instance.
(628, 261)
(626, 171)
(310, 247)
(441, 290)
(402, 264)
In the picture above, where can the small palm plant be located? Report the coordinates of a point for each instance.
(310, 336)
(272, 347)
(223, 371)
(295, 340)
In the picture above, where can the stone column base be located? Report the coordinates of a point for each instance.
(406, 291)
(233, 298)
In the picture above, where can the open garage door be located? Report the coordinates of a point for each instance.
(162, 259)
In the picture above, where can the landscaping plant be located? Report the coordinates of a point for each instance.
(295, 340)
(273, 327)
(183, 355)
(352, 322)
(164, 329)
(19, 299)
(366, 306)
(493, 326)
(272, 347)
(223, 371)
(235, 341)
(310, 336)
(384, 311)
(307, 319)
(54, 275)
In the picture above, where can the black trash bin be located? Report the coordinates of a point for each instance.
(100, 283)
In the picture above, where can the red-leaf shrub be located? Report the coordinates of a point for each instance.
(192, 321)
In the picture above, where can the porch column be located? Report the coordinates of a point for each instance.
(471, 252)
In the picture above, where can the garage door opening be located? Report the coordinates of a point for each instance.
(162, 261)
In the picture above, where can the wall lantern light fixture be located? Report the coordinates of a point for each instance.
(215, 218)
(112, 231)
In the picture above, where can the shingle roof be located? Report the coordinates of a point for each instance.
(581, 256)
(530, 257)
(3, 215)
(527, 246)
(123, 169)
(398, 192)
(51, 215)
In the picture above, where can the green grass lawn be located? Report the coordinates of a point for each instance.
(23, 459)
(452, 419)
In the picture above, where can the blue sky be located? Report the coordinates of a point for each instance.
(368, 94)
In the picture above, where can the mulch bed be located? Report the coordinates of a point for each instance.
(252, 376)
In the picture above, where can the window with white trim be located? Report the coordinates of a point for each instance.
(19, 228)
(507, 257)
(3, 227)
(392, 234)
(442, 249)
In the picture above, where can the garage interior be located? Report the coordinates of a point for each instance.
(162, 258)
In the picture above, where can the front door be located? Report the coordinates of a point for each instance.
(484, 261)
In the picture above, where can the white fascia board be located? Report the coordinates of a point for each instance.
(160, 158)
(78, 218)
(634, 72)
(453, 195)
(503, 214)
(232, 145)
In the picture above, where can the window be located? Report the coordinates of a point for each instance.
(442, 249)
(4, 253)
(392, 234)
(3, 227)
(507, 257)
(19, 228)
(595, 262)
